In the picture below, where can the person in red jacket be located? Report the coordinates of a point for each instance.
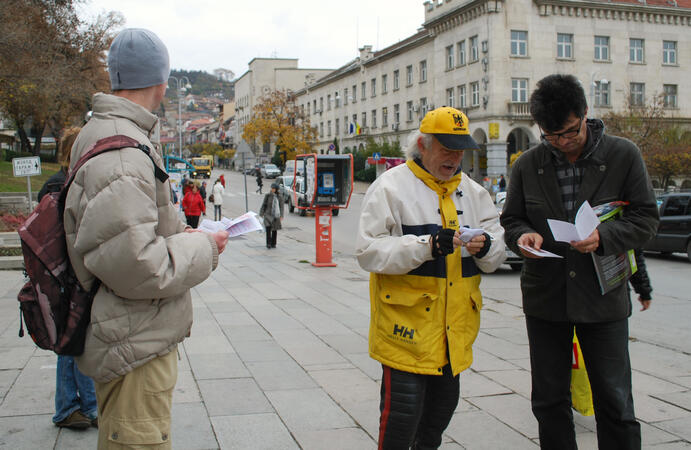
(223, 180)
(193, 205)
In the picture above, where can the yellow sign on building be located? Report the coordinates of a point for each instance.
(494, 130)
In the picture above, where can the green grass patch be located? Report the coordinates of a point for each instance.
(10, 183)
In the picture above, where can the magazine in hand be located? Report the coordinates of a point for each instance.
(613, 270)
(235, 227)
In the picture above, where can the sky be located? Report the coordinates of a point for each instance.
(210, 34)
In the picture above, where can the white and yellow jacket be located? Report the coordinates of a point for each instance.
(420, 305)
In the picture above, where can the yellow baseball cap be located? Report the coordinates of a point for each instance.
(450, 127)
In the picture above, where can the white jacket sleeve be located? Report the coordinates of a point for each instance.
(380, 246)
(488, 219)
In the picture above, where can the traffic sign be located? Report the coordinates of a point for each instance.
(26, 167)
(376, 156)
(332, 147)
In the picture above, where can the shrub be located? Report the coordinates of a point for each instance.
(368, 174)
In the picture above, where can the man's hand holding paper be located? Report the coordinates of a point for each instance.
(583, 236)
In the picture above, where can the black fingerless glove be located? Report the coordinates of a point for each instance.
(442, 242)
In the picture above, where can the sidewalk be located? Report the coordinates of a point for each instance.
(278, 359)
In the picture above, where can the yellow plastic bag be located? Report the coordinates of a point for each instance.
(581, 396)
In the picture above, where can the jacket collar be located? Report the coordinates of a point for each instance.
(112, 106)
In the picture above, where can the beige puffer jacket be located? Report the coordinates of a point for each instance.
(122, 228)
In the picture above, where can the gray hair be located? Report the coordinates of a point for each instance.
(412, 151)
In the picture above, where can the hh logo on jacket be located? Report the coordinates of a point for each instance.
(403, 333)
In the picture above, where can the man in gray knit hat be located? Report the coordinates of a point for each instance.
(124, 232)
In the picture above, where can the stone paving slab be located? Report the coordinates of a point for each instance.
(254, 431)
(308, 410)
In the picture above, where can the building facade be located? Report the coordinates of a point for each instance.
(263, 76)
(485, 57)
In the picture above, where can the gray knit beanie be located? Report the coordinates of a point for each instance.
(137, 59)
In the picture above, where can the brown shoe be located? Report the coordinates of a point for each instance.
(94, 422)
(76, 421)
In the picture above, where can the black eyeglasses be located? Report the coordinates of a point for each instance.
(568, 134)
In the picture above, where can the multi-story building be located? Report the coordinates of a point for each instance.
(263, 76)
(485, 57)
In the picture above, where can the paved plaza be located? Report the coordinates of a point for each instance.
(278, 359)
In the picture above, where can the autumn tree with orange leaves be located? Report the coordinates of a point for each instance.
(278, 120)
(665, 146)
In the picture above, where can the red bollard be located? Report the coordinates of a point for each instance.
(322, 220)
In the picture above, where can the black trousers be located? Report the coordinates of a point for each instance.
(415, 409)
(605, 350)
(271, 237)
(192, 221)
(217, 212)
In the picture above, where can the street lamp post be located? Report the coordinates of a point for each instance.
(180, 88)
(593, 83)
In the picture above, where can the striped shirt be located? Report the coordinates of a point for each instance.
(569, 175)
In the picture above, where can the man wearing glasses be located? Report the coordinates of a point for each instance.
(577, 161)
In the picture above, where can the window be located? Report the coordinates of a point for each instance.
(449, 57)
(396, 113)
(337, 131)
(354, 121)
(677, 206)
(364, 119)
(373, 87)
(409, 75)
(423, 71)
(519, 90)
(363, 90)
(636, 50)
(601, 48)
(423, 105)
(354, 93)
(637, 94)
(474, 53)
(384, 117)
(564, 46)
(519, 43)
(345, 97)
(461, 96)
(670, 98)
(328, 128)
(315, 106)
(601, 93)
(308, 108)
(449, 97)
(409, 111)
(475, 93)
(384, 79)
(328, 102)
(321, 129)
(396, 77)
(321, 104)
(669, 52)
(374, 118)
(337, 99)
(460, 49)
(345, 124)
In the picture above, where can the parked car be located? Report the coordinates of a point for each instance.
(270, 171)
(285, 190)
(252, 170)
(674, 231)
(513, 260)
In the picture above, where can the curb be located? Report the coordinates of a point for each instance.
(11, 262)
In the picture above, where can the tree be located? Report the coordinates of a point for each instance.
(277, 119)
(51, 62)
(663, 143)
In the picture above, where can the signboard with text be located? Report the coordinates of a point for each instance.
(26, 167)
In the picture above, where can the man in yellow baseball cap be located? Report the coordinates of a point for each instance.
(426, 231)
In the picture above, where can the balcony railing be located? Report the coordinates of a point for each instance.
(519, 110)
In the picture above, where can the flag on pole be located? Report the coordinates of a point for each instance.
(351, 128)
(358, 130)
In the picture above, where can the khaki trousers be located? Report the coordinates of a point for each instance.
(134, 410)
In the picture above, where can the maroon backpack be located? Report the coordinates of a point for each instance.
(55, 307)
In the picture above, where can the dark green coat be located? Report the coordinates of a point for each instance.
(567, 289)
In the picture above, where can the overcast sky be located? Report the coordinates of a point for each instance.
(208, 34)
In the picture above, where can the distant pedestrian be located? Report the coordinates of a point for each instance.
(502, 184)
(260, 183)
(641, 281)
(223, 180)
(217, 193)
(75, 398)
(272, 212)
(202, 192)
(193, 205)
(125, 239)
